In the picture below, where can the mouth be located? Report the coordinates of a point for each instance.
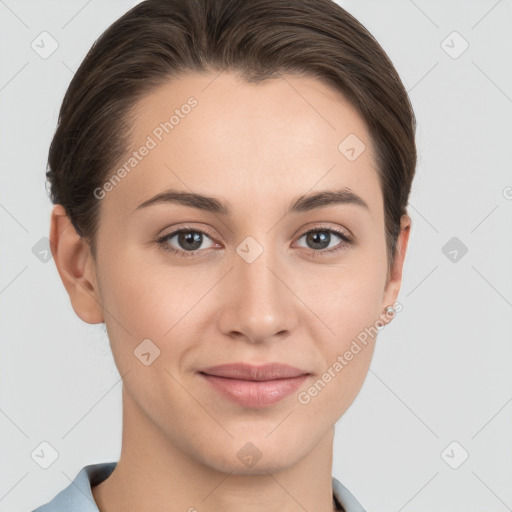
(254, 386)
(244, 371)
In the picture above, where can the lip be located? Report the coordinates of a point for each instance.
(245, 371)
(254, 386)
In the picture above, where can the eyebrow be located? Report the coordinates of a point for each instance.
(300, 204)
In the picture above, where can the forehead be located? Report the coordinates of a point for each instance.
(217, 134)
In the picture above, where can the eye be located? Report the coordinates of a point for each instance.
(320, 239)
(189, 241)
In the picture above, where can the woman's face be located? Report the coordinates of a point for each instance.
(250, 284)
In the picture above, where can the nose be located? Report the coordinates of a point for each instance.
(257, 300)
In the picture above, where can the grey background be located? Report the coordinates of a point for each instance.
(442, 369)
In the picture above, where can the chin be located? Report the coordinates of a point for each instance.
(271, 464)
(253, 454)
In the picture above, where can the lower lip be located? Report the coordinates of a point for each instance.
(250, 393)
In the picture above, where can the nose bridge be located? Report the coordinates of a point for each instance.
(254, 272)
(260, 307)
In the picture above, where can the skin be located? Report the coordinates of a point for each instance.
(258, 147)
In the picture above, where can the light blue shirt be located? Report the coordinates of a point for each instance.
(77, 496)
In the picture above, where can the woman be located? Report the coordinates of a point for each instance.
(230, 182)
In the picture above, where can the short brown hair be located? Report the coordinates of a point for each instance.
(159, 40)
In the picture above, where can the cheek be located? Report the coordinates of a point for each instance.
(348, 312)
(345, 299)
(347, 305)
(128, 296)
(152, 301)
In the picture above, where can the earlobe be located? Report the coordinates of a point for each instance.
(75, 265)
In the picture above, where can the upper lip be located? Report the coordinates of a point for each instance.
(244, 371)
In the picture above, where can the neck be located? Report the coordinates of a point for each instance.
(154, 471)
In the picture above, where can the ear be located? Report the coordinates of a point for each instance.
(395, 273)
(75, 265)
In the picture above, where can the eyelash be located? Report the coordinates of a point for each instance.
(163, 241)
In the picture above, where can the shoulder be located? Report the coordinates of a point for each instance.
(345, 498)
(78, 493)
